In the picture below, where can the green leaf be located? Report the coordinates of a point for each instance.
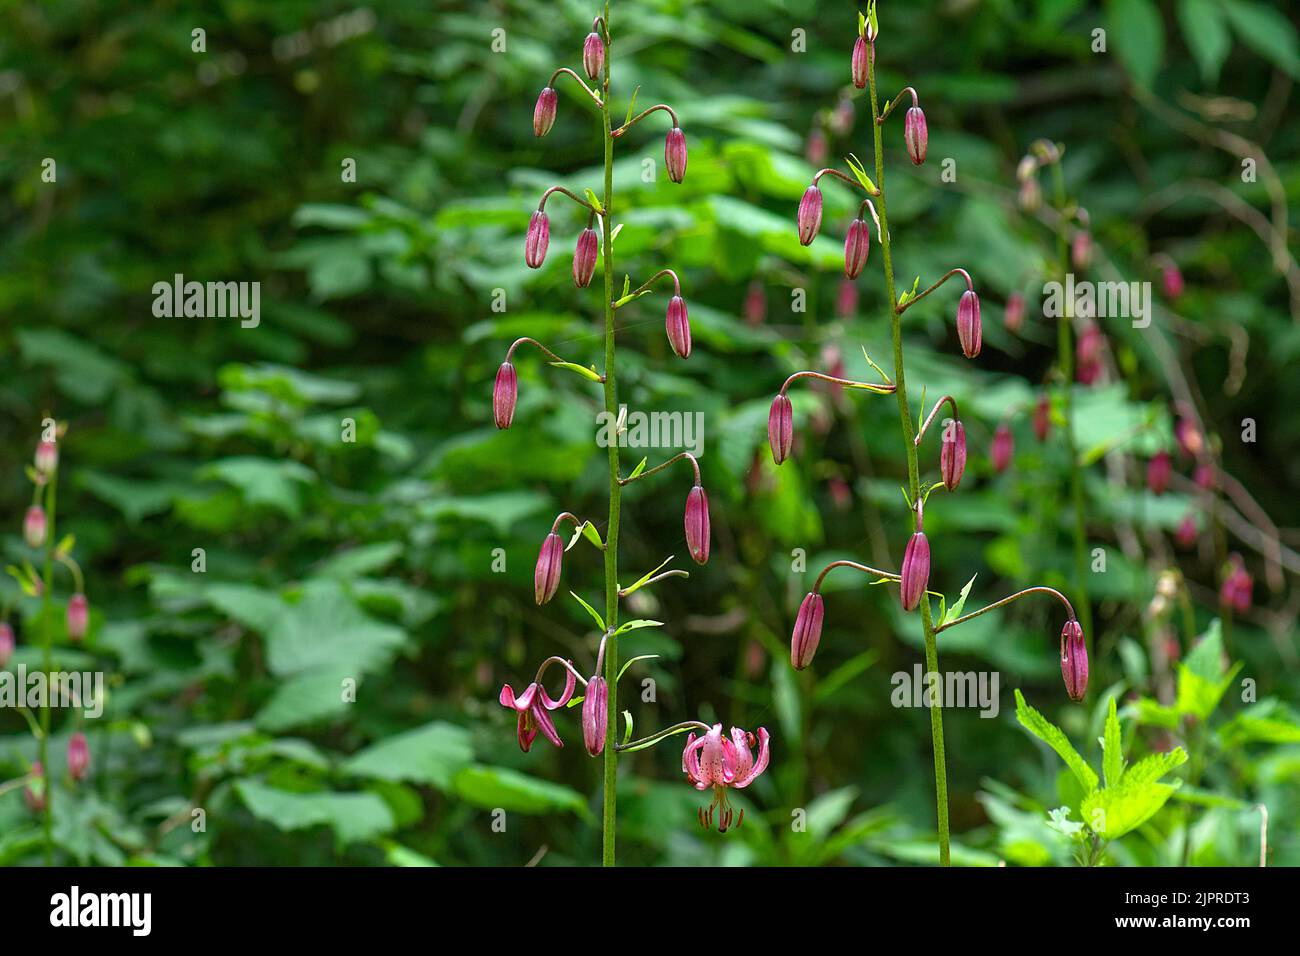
(1268, 32)
(1206, 33)
(432, 754)
(641, 581)
(586, 371)
(326, 630)
(627, 726)
(954, 612)
(600, 621)
(1054, 737)
(1115, 811)
(303, 700)
(636, 625)
(352, 816)
(595, 202)
(860, 172)
(585, 530)
(506, 789)
(1112, 748)
(631, 105)
(1151, 768)
(640, 467)
(644, 657)
(1138, 35)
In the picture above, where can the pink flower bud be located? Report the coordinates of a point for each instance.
(546, 578)
(1173, 282)
(539, 237)
(1014, 316)
(916, 570)
(969, 330)
(34, 791)
(916, 135)
(856, 246)
(1074, 660)
(697, 524)
(34, 526)
(544, 111)
(859, 63)
(504, 394)
(1031, 195)
(1003, 448)
(47, 457)
(1158, 469)
(1187, 532)
(780, 428)
(78, 616)
(78, 755)
(595, 715)
(584, 258)
(1206, 477)
(675, 154)
(755, 303)
(678, 327)
(810, 215)
(1189, 438)
(1237, 586)
(1042, 418)
(1089, 346)
(807, 631)
(593, 55)
(815, 150)
(952, 454)
(846, 300)
(6, 643)
(1081, 250)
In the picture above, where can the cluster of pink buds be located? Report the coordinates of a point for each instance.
(722, 763)
(1237, 587)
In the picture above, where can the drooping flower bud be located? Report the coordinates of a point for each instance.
(859, 63)
(1081, 250)
(755, 303)
(1042, 417)
(952, 454)
(780, 428)
(842, 116)
(678, 327)
(810, 215)
(78, 755)
(584, 258)
(1030, 195)
(675, 154)
(1074, 660)
(78, 616)
(34, 526)
(857, 243)
(807, 631)
(595, 715)
(593, 55)
(969, 330)
(1014, 316)
(34, 791)
(916, 135)
(539, 237)
(550, 559)
(47, 457)
(1173, 281)
(1003, 448)
(1187, 531)
(504, 394)
(544, 111)
(1189, 437)
(1158, 470)
(916, 570)
(697, 524)
(846, 299)
(6, 643)
(1205, 476)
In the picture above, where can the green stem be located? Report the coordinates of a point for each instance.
(909, 435)
(609, 808)
(47, 636)
(1065, 361)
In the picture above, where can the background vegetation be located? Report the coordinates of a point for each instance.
(373, 559)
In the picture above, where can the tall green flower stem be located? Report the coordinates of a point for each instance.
(610, 804)
(913, 472)
(1065, 363)
(47, 637)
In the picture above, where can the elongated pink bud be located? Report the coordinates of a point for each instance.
(1173, 282)
(584, 258)
(544, 111)
(78, 616)
(675, 154)
(593, 55)
(969, 330)
(1158, 471)
(78, 755)
(952, 454)
(539, 237)
(807, 631)
(34, 526)
(780, 428)
(1088, 349)
(697, 524)
(916, 570)
(6, 643)
(595, 715)
(1003, 448)
(1081, 250)
(846, 299)
(856, 246)
(916, 135)
(1014, 316)
(859, 63)
(1042, 418)
(810, 215)
(755, 303)
(1074, 660)
(504, 394)
(1205, 476)
(47, 457)
(546, 578)
(1187, 532)
(678, 327)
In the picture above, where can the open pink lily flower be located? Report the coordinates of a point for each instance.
(532, 706)
(723, 763)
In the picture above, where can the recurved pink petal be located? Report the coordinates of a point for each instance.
(569, 683)
(760, 765)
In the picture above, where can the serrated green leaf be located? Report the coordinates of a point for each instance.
(1112, 748)
(1054, 737)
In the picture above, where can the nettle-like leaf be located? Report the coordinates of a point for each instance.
(1112, 748)
(1054, 737)
(1115, 811)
